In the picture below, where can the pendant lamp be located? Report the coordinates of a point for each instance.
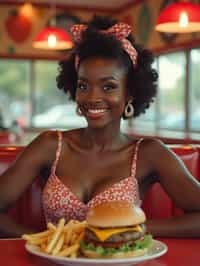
(180, 17)
(53, 38)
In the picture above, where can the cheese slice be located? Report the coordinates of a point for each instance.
(105, 233)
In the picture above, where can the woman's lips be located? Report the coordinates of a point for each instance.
(95, 113)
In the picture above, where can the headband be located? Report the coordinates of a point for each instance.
(120, 31)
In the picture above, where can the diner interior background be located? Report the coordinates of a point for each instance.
(29, 101)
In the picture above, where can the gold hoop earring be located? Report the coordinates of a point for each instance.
(129, 110)
(78, 111)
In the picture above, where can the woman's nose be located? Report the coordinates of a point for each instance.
(94, 95)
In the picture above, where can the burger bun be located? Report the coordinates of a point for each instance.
(115, 214)
(117, 255)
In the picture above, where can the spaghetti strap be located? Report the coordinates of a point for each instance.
(58, 151)
(134, 160)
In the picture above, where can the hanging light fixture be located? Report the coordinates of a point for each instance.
(180, 17)
(53, 38)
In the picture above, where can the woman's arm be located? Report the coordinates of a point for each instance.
(15, 180)
(182, 188)
(10, 228)
(184, 226)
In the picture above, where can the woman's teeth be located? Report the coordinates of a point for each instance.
(96, 111)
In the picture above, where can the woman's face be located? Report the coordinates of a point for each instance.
(101, 91)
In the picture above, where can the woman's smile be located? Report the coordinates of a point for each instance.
(96, 113)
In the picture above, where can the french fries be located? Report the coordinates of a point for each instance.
(62, 240)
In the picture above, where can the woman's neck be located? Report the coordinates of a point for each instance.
(102, 139)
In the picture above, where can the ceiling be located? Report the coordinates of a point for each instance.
(102, 4)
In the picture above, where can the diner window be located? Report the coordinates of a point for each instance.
(194, 114)
(14, 92)
(147, 121)
(52, 106)
(172, 82)
(29, 95)
(46, 94)
(47, 98)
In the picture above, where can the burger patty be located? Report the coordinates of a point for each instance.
(123, 237)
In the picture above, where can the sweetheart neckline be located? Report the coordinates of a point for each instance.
(82, 202)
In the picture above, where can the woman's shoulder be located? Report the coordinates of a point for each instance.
(149, 142)
(153, 145)
(40, 151)
(150, 146)
(46, 138)
(50, 137)
(156, 151)
(44, 144)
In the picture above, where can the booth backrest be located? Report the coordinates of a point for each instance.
(7, 138)
(28, 209)
(157, 203)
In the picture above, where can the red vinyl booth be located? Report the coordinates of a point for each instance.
(7, 138)
(28, 209)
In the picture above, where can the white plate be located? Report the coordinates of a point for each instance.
(157, 249)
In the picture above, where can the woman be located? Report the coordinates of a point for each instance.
(109, 77)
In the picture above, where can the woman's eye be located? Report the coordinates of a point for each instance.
(81, 86)
(109, 87)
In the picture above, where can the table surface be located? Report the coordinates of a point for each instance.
(181, 252)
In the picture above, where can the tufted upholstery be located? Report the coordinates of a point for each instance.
(28, 210)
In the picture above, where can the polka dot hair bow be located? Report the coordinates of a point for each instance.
(120, 31)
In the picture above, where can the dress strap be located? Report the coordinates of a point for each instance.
(134, 160)
(58, 151)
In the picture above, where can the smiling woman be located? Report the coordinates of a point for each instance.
(110, 78)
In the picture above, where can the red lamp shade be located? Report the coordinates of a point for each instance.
(181, 17)
(53, 38)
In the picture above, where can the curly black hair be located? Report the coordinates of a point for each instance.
(141, 79)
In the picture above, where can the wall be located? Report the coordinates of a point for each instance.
(16, 39)
(143, 16)
(17, 31)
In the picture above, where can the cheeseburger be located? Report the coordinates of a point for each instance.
(115, 230)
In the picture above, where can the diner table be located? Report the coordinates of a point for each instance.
(181, 252)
